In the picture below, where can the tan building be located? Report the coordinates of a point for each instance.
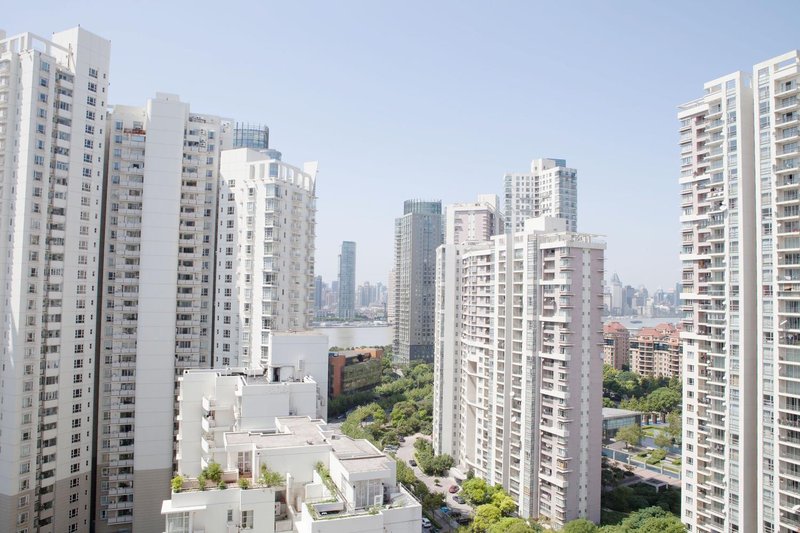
(616, 339)
(656, 351)
(354, 370)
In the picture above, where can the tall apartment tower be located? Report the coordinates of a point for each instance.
(465, 224)
(550, 189)
(53, 95)
(417, 234)
(157, 296)
(265, 254)
(347, 281)
(777, 167)
(718, 255)
(530, 382)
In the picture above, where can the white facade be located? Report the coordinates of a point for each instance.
(464, 223)
(550, 189)
(53, 95)
(157, 290)
(777, 164)
(530, 351)
(719, 298)
(265, 254)
(213, 402)
(331, 484)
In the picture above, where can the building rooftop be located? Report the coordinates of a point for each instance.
(296, 431)
(611, 412)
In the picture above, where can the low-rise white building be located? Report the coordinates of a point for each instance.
(328, 483)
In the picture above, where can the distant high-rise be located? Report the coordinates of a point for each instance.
(550, 189)
(417, 235)
(347, 281)
(265, 254)
(53, 100)
(157, 293)
(318, 291)
(618, 300)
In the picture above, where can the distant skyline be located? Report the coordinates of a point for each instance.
(438, 101)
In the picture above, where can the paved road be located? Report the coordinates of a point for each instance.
(406, 453)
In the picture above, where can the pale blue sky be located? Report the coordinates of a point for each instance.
(437, 100)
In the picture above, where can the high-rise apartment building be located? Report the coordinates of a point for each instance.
(721, 404)
(53, 96)
(530, 383)
(417, 234)
(265, 254)
(615, 345)
(776, 95)
(656, 351)
(466, 223)
(550, 189)
(157, 295)
(347, 281)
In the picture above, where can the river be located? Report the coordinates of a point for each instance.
(357, 336)
(633, 323)
(381, 336)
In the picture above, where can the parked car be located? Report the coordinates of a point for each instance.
(426, 523)
(454, 488)
(463, 519)
(401, 439)
(412, 462)
(459, 499)
(445, 509)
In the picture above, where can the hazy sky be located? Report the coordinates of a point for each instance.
(436, 100)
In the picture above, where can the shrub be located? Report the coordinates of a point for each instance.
(177, 483)
(222, 485)
(213, 472)
(657, 456)
(202, 482)
(244, 484)
(269, 478)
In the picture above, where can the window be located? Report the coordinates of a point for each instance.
(178, 523)
(247, 519)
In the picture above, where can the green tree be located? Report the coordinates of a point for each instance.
(476, 491)
(663, 440)
(504, 502)
(486, 516)
(674, 424)
(652, 520)
(664, 400)
(581, 525)
(511, 525)
(434, 500)
(631, 435)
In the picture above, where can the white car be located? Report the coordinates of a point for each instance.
(426, 523)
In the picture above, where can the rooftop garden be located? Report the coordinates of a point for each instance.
(213, 477)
